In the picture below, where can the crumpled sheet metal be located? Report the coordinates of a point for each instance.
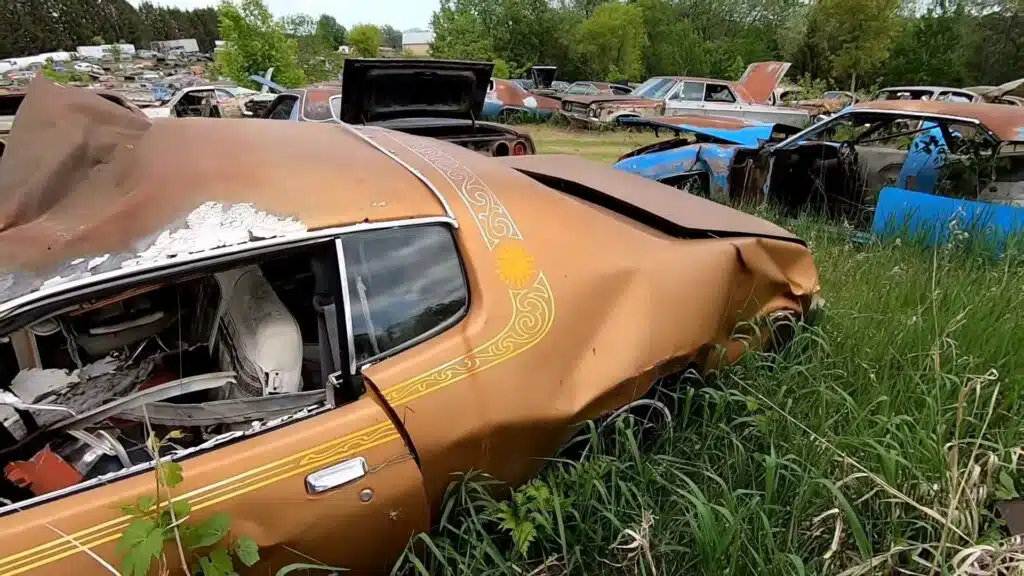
(83, 177)
(621, 304)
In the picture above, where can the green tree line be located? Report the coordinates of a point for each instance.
(35, 26)
(844, 42)
(301, 49)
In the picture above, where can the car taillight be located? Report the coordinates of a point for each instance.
(520, 149)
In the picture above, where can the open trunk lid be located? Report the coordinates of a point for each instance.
(385, 89)
(543, 76)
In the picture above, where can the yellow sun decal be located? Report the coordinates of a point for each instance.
(515, 264)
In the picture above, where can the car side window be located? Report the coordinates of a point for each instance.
(403, 284)
(336, 107)
(690, 92)
(283, 108)
(955, 97)
(224, 94)
(577, 89)
(718, 93)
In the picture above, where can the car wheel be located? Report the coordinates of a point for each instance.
(649, 418)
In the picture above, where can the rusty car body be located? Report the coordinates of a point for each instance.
(506, 98)
(202, 101)
(336, 321)
(749, 98)
(434, 98)
(871, 163)
(10, 102)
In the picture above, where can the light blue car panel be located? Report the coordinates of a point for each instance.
(907, 213)
(920, 171)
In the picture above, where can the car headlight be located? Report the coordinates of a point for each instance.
(592, 111)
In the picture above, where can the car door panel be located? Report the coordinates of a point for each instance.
(260, 482)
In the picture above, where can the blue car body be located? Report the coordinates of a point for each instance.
(713, 152)
(750, 158)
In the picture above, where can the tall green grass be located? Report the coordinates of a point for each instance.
(876, 443)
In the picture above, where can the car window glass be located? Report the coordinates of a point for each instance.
(402, 283)
(282, 110)
(578, 89)
(224, 94)
(717, 93)
(955, 97)
(655, 88)
(336, 107)
(690, 92)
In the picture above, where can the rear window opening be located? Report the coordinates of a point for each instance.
(212, 355)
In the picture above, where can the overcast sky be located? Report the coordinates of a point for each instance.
(402, 14)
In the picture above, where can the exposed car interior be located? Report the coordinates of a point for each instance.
(212, 354)
(841, 168)
(197, 103)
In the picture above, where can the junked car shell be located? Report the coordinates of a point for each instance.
(669, 287)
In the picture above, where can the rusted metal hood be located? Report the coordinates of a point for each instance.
(687, 212)
(384, 89)
(761, 78)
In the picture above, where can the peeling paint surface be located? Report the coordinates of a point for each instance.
(211, 226)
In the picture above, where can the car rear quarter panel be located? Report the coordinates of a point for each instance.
(574, 312)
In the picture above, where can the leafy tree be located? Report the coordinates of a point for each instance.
(611, 42)
(500, 69)
(298, 25)
(856, 34)
(672, 44)
(317, 55)
(329, 29)
(391, 37)
(254, 44)
(97, 40)
(365, 40)
(459, 32)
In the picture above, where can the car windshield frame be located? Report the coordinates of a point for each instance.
(811, 133)
(651, 89)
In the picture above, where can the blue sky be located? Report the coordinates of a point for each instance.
(402, 14)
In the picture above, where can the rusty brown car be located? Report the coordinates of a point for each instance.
(749, 99)
(335, 318)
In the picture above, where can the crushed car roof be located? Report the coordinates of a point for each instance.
(1006, 122)
(84, 177)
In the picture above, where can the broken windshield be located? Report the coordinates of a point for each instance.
(654, 89)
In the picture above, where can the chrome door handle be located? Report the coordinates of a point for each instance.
(336, 476)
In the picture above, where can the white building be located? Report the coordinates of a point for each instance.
(99, 51)
(418, 41)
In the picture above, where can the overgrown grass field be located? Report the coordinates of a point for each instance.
(876, 443)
